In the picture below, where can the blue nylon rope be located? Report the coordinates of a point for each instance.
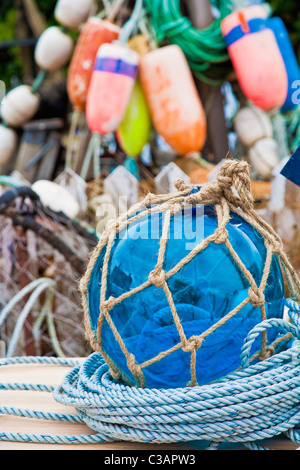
(257, 402)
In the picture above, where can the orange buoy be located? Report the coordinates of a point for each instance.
(256, 57)
(94, 33)
(111, 87)
(174, 103)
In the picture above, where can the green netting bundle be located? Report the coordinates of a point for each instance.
(204, 49)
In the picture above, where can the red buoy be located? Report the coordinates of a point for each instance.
(94, 33)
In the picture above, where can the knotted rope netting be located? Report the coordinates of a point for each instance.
(230, 193)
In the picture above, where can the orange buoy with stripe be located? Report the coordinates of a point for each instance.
(111, 86)
(94, 33)
(174, 103)
(256, 57)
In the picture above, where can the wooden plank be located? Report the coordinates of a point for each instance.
(43, 401)
(32, 142)
(48, 162)
(200, 14)
(38, 134)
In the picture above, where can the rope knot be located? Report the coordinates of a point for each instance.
(180, 185)
(236, 174)
(107, 305)
(257, 298)
(277, 246)
(149, 199)
(193, 344)
(112, 226)
(221, 236)
(157, 277)
(268, 352)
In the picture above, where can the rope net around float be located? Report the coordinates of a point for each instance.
(230, 192)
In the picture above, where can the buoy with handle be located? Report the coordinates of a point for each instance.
(256, 57)
(175, 106)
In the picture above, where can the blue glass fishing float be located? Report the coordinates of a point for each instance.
(174, 288)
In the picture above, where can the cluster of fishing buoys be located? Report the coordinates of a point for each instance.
(125, 84)
(128, 92)
(118, 89)
(135, 89)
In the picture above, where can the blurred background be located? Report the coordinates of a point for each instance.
(77, 148)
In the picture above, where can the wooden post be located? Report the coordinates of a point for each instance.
(200, 14)
(34, 17)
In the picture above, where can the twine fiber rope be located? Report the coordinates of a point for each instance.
(231, 192)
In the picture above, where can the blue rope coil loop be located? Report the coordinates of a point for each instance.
(257, 402)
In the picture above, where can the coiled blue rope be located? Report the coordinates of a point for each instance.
(257, 402)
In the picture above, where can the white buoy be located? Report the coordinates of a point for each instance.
(72, 13)
(252, 124)
(56, 197)
(264, 156)
(53, 49)
(8, 144)
(19, 105)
